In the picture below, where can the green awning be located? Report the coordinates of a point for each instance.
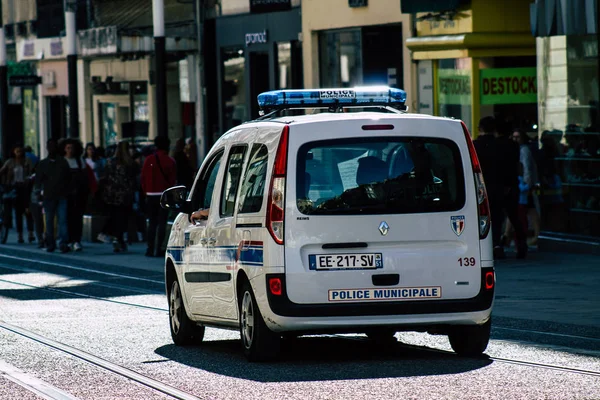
(416, 6)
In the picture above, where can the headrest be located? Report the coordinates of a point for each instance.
(371, 169)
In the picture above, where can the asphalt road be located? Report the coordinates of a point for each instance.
(545, 343)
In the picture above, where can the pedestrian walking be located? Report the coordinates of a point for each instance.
(118, 195)
(138, 227)
(185, 172)
(500, 158)
(531, 178)
(158, 174)
(52, 176)
(77, 192)
(36, 209)
(15, 174)
(31, 155)
(93, 159)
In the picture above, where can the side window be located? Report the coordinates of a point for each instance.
(253, 187)
(233, 174)
(205, 187)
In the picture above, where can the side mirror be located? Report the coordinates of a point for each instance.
(175, 198)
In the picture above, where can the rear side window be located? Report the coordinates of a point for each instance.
(232, 180)
(253, 187)
(379, 176)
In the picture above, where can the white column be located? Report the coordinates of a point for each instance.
(71, 38)
(2, 47)
(158, 16)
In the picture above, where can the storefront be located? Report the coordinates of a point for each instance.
(568, 75)
(117, 95)
(256, 52)
(44, 105)
(354, 43)
(23, 104)
(475, 60)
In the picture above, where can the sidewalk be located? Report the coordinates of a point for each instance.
(97, 254)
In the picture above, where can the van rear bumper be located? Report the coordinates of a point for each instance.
(282, 306)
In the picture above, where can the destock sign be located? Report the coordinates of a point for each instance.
(508, 86)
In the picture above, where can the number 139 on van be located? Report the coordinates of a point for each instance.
(345, 261)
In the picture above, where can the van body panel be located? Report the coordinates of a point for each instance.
(421, 248)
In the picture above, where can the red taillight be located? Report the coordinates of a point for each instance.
(483, 208)
(377, 127)
(276, 200)
(489, 280)
(275, 286)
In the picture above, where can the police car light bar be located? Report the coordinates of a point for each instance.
(324, 98)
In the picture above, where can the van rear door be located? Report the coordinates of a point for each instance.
(380, 210)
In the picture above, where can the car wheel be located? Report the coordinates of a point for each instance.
(259, 342)
(470, 340)
(183, 330)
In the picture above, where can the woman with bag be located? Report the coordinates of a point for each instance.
(14, 176)
(118, 195)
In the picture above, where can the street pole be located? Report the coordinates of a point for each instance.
(4, 144)
(201, 125)
(70, 9)
(158, 14)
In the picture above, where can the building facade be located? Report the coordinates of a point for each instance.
(475, 58)
(115, 71)
(568, 75)
(258, 48)
(354, 43)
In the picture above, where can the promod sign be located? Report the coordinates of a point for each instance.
(508, 86)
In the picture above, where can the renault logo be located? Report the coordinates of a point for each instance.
(384, 228)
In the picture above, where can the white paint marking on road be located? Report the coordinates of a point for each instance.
(547, 333)
(107, 365)
(566, 240)
(33, 384)
(87, 296)
(82, 269)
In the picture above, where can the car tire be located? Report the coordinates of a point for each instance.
(184, 331)
(470, 340)
(258, 341)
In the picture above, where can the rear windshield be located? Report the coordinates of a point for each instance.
(379, 176)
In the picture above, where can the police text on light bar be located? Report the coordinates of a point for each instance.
(359, 96)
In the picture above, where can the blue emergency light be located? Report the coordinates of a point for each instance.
(322, 98)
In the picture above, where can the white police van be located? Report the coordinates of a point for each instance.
(374, 221)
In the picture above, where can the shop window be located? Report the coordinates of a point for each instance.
(340, 58)
(454, 89)
(289, 65)
(234, 88)
(569, 136)
(382, 55)
(284, 65)
(30, 119)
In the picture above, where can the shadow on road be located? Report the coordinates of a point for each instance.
(322, 359)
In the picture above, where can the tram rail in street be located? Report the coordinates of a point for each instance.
(99, 362)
